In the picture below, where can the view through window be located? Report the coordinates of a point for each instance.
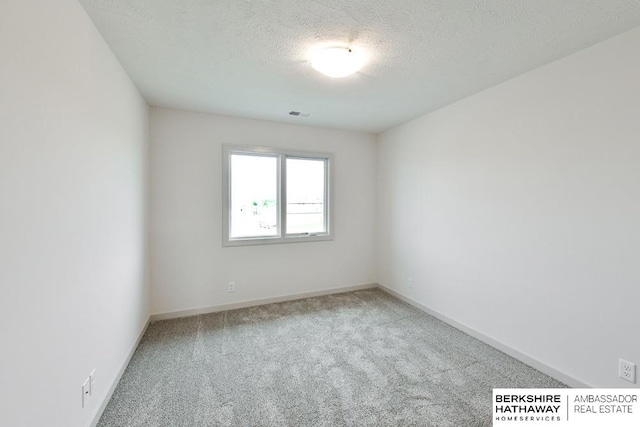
(254, 196)
(305, 196)
(275, 196)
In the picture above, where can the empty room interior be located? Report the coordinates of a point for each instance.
(314, 212)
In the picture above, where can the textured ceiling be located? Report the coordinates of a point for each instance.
(249, 58)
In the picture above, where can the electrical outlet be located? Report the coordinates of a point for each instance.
(86, 392)
(232, 287)
(92, 382)
(627, 371)
(410, 283)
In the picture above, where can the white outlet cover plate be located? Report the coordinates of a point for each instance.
(85, 391)
(625, 365)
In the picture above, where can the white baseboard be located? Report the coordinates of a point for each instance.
(105, 401)
(256, 302)
(552, 372)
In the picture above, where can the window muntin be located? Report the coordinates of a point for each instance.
(275, 196)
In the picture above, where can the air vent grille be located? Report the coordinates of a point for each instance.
(299, 114)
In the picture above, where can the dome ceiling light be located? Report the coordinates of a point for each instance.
(336, 61)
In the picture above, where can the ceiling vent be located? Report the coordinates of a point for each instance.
(299, 114)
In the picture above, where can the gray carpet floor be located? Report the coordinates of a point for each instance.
(354, 359)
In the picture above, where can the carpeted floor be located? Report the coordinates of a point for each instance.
(355, 359)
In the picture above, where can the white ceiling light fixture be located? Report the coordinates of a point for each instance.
(336, 61)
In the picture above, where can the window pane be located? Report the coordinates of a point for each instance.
(305, 196)
(254, 194)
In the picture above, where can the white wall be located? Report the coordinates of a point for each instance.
(189, 266)
(73, 141)
(517, 211)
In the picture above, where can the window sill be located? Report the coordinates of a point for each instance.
(276, 240)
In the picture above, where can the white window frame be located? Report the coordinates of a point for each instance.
(281, 155)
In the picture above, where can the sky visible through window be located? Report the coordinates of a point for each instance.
(305, 196)
(254, 196)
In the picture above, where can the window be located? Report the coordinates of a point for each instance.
(275, 196)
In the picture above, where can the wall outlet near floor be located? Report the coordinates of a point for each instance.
(232, 287)
(86, 392)
(410, 282)
(627, 371)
